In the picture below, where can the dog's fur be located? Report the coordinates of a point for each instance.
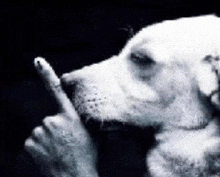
(166, 76)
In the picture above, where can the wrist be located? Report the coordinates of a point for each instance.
(80, 173)
(86, 170)
(81, 170)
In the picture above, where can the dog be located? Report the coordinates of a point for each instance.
(166, 76)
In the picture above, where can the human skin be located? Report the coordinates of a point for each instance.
(61, 146)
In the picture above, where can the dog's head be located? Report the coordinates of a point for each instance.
(166, 74)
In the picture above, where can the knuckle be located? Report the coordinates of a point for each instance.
(47, 121)
(37, 132)
(52, 121)
(55, 86)
(57, 122)
(28, 143)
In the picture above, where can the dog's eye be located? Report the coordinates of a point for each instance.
(141, 59)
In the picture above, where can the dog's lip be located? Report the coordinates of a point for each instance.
(94, 124)
(194, 128)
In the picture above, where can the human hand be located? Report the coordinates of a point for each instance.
(62, 147)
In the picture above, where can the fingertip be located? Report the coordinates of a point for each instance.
(41, 64)
(28, 143)
(38, 61)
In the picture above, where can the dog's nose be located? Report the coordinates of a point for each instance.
(77, 76)
(67, 83)
(70, 81)
(67, 79)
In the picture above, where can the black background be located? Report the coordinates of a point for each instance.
(70, 35)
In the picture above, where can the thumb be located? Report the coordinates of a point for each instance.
(53, 84)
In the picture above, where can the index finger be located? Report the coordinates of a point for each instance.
(53, 84)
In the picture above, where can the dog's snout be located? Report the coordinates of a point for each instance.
(93, 89)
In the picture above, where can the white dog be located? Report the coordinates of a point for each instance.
(168, 76)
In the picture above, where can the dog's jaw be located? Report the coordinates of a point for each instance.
(182, 152)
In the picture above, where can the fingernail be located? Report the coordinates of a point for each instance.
(39, 66)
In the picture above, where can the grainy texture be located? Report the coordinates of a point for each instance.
(66, 32)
